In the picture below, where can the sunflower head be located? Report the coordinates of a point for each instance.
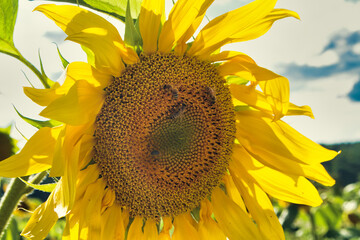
(174, 140)
(164, 134)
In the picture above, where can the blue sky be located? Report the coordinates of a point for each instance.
(320, 55)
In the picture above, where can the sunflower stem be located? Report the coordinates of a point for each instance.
(10, 200)
(313, 225)
(12, 196)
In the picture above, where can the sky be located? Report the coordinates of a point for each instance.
(320, 55)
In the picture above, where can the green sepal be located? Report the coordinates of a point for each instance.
(44, 76)
(236, 80)
(132, 31)
(42, 187)
(91, 162)
(63, 60)
(240, 108)
(37, 123)
(27, 78)
(89, 54)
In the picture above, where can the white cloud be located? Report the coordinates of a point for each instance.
(336, 117)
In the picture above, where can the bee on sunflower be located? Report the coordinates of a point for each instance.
(166, 138)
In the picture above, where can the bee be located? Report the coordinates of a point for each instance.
(154, 153)
(210, 95)
(178, 111)
(174, 92)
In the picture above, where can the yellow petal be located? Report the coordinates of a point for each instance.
(299, 110)
(90, 30)
(180, 19)
(277, 94)
(150, 230)
(65, 144)
(70, 177)
(165, 232)
(58, 164)
(184, 230)
(261, 136)
(135, 230)
(250, 96)
(86, 150)
(36, 156)
(258, 204)
(282, 185)
(256, 99)
(108, 199)
(254, 130)
(86, 177)
(232, 192)
(318, 173)
(79, 106)
(243, 24)
(43, 97)
(222, 29)
(228, 55)
(259, 28)
(233, 221)
(71, 230)
(241, 67)
(42, 219)
(181, 45)
(112, 225)
(149, 21)
(84, 71)
(208, 228)
(90, 217)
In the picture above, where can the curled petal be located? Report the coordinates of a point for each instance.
(36, 156)
(79, 106)
(93, 32)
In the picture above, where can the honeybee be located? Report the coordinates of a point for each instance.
(178, 111)
(174, 92)
(210, 95)
(155, 153)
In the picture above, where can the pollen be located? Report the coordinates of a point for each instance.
(165, 134)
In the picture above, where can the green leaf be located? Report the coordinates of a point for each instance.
(116, 8)
(63, 60)
(42, 187)
(8, 13)
(37, 123)
(132, 34)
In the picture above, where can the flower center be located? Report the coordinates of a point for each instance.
(165, 134)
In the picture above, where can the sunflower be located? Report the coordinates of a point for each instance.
(169, 139)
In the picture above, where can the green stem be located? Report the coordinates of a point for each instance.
(12, 196)
(313, 225)
(10, 200)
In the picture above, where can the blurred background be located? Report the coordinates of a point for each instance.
(320, 55)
